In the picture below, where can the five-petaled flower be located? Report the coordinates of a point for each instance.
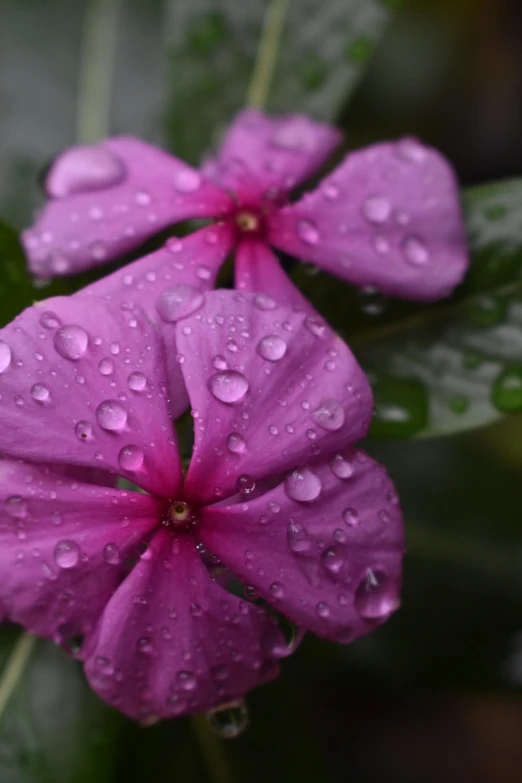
(275, 492)
(388, 216)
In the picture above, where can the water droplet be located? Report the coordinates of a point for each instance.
(179, 301)
(415, 251)
(16, 507)
(507, 390)
(302, 485)
(330, 192)
(71, 342)
(308, 232)
(316, 326)
(137, 381)
(381, 244)
(333, 559)
(264, 302)
(81, 169)
(49, 320)
(187, 180)
(40, 393)
(142, 197)
(186, 680)
(297, 537)
(106, 367)
(228, 386)
(276, 590)
(67, 554)
(83, 430)
(5, 356)
(131, 458)
(411, 150)
(322, 609)
(329, 415)
(376, 209)
(228, 720)
(203, 272)
(111, 415)
(272, 348)
(111, 554)
(219, 362)
(341, 467)
(236, 443)
(350, 517)
(376, 595)
(246, 484)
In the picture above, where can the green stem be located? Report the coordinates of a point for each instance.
(212, 750)
(267, 52)
(15, 667)
(96, 67)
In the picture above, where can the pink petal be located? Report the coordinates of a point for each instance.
(83, 382)
(167, 285)
(261, 153)
(108, 199)
(269, 388)
(389, 216)
(257, 270)
(172, 641)
(62, 546)
(332, 562)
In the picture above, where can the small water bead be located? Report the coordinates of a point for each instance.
(67, 554)
(131, 458)
(187, 180)
(111, 416)
(351, 517)
(376, 209)
(411, 150)
(246, 484)
(236, 443)
(40, 393)
(316, 326)
(333, 559)
(71, 342)
(137, 381)
(106, 367)
(228, 386)
(186, 680)
(111, 554)
(322, 609)
(330, 192)
(303, 485)
(5, 356)
(142, 198)
(341, 467)
(272, 348)
(83, 430)
(179, 301)
(49, 320)
(232, 345)
(415, 251)
(229, 720)
(98, 251)
(219, 362)
(297, 537)
(308, 232)
(329, 415)
(276, 590)
(203, 272)
(376, 595)
(264, 302)
(381, 244)
(82, 169)
(16, 507)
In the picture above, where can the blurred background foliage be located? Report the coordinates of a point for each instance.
(433, 696)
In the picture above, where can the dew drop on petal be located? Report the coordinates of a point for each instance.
(83, 430)
(315, 326)
(350, 517)
(376, 209)
(178, 301)
(276, 590)
(111, 554)
(137, 381)
(187, 180)
(16, 507)
(67, 554)
(329, 415)
(236, 443)
(297, 537)
(131, 458)
(341, 467)
(302, 485)
(376, 595)
(272, 348)
(264, 302)
(228, 720)
(71, 342)
(308, 232)
(415, 251)
(111, 415)
(81, 169)
(5, 356)
(49, 320)
(245, 484)
(40, 393)
(333, 559)
(228, 386)
(186, 680)
(106, 367)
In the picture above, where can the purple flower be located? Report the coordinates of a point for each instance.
(274, 493)
(388, 216)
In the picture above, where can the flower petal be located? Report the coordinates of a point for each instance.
(172, 641)
(269, 388)
(261, 153)
(167, 284)
(83, 382)
(108, 199)
(62, 546)
(332, 564)
(389, 216)
(257, 270)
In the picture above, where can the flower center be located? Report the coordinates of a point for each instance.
(180, 516)
(248, 222)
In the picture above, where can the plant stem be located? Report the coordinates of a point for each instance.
(267, 52)
(95, 71)
(15, 666)
(212, 750)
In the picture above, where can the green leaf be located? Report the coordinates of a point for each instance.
(53, 728)
(453, 365)
(318, 51)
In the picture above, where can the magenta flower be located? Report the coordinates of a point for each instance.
(274, 492)
(388, 216)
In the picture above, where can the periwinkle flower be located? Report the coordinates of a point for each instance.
(275, 494)
(387, 216)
